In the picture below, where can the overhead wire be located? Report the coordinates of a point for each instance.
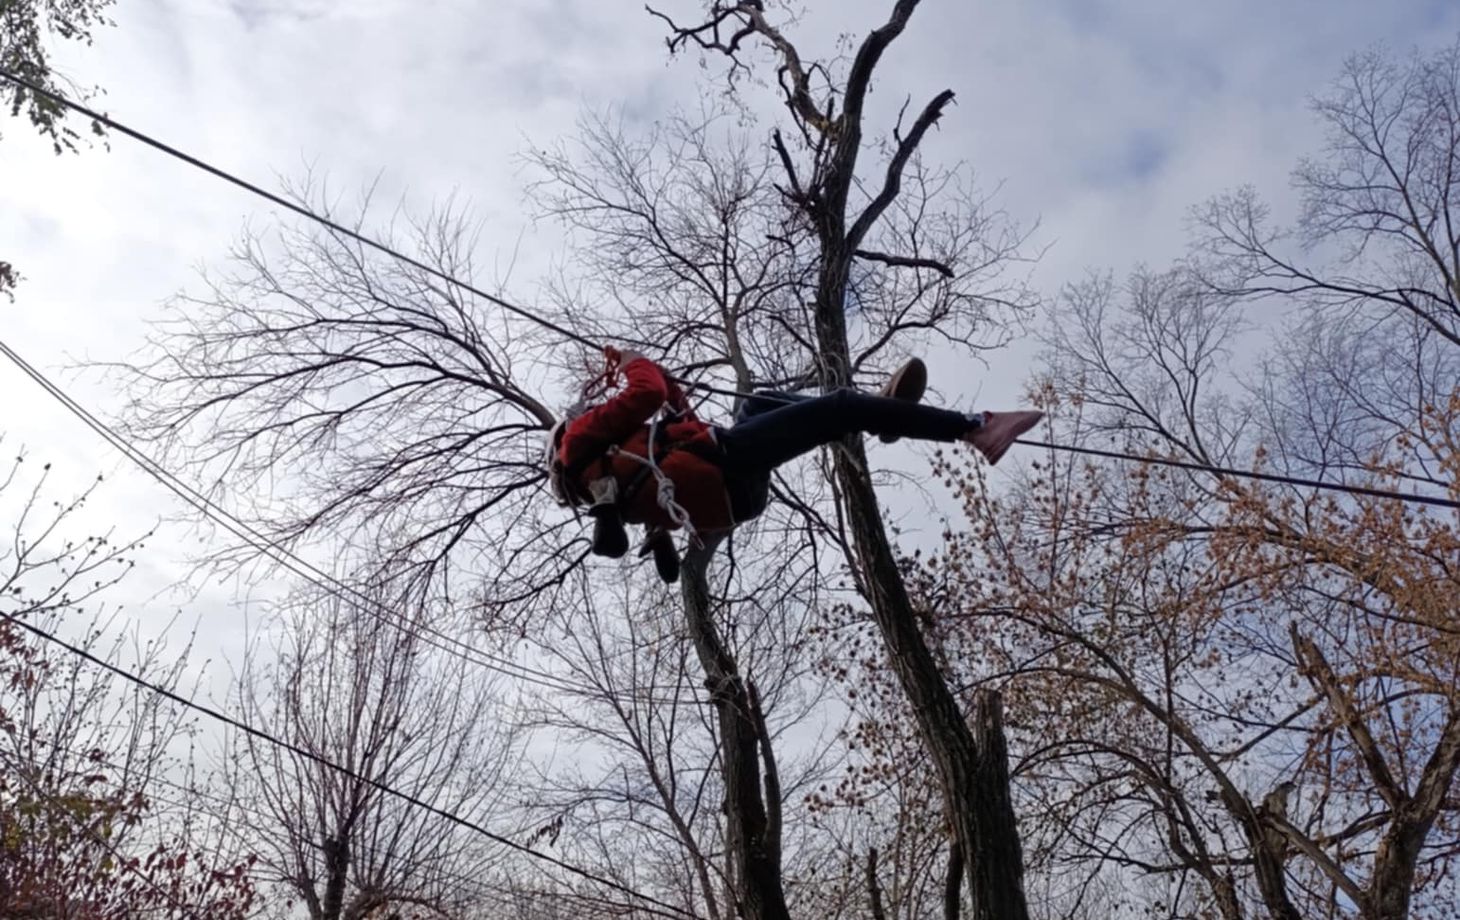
(1279, 478)
(293, 562)
(211, 510)
(327, 763)
(201, 502)
(219, 809)
(546, 323)
(280, 201)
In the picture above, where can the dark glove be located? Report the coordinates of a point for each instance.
(609, 537)
(666, 558)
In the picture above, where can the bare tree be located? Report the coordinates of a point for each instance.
(681, 242)
(678, 213)
(634, 784)
(345, 685)
(386, 410)
(373, 400)
(1379, 199)
(827, 113)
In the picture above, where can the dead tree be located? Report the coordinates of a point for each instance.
(684, 229)
(828, 117)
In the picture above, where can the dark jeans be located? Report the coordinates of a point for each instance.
(774, 428)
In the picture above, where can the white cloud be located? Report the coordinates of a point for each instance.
(1105, 120)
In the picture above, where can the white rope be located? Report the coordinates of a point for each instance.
(590, 392)
(665, 496)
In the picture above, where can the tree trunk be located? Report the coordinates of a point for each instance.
(752, 836)
(1394, 867)
(996, 865)
(1270, 869)
(982, 817)
(1392, 885)
(953, 883)
(336, 872)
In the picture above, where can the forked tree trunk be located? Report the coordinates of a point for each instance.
(971, 767)
(973, 771)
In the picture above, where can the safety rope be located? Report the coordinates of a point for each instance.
(665, 492)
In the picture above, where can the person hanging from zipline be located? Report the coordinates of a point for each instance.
(680, 472)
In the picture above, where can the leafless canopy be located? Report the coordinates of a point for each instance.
(340, 683)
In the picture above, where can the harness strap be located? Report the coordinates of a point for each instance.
(665, 495)
(671, 508)
(658, 451)
(603, 452)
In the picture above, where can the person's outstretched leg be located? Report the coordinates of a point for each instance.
(748, 482)
(769, 439)
(907, 384)
(764, 401)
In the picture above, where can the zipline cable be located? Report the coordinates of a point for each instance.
(1319, 484)
(288, 205)
(584, 340)
(328, 764)
(289, 560)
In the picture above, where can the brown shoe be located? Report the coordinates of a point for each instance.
(998, 431)
(908, 384)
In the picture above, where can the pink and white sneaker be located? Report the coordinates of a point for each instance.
(998, 431)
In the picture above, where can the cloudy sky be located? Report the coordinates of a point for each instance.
(1103, 120)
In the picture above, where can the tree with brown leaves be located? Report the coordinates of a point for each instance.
(84, 830)
(1240, 700)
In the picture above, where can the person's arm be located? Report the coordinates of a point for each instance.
(676, 398)
(645, 390)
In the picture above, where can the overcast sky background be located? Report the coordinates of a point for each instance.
(1104, 121)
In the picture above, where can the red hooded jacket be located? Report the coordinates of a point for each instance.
(684, 448)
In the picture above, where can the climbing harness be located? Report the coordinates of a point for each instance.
(665, 495)
(564, 480)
